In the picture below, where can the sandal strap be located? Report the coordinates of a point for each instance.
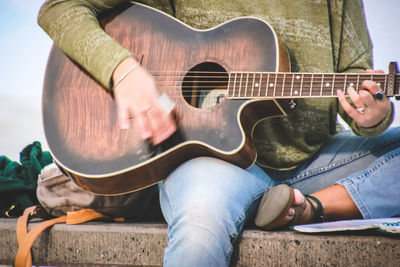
(318, 211)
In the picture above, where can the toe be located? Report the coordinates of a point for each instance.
(299, 199)
(287, 218)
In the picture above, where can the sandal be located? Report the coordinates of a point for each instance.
(276, 203)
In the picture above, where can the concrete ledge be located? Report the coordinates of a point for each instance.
(135, 244)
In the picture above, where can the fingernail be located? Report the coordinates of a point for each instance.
(167, 133)
(291, 212)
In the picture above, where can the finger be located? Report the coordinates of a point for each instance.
(371, 86)
(374, 88)
(367, 98)
(164, 133)
(374, 71)
(156, 117)
(142, 124)
(162, 124)
(123, 116)
(161, 120)
(353, 113)
(355, 97)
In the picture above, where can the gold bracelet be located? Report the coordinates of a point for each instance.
(126, 73)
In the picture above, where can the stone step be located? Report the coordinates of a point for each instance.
(143, 244)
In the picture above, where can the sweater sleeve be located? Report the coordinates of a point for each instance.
(74, 27)
(354, 54)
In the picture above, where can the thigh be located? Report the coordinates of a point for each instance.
(344, 155)
(213, 185)
(206, 202)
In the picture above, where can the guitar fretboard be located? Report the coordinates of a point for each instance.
(295, 85)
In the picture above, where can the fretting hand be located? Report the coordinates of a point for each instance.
(138, 99)
(368, 110)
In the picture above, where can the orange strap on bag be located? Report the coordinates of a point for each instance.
(26, 239)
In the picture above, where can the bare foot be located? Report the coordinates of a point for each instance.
(300, 213)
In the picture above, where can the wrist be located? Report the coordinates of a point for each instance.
(123, 69)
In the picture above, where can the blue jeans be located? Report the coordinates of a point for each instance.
(206, 202)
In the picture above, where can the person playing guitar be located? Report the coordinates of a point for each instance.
(119, 113)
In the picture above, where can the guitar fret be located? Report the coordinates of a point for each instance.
(247, 82)
(259, 90)
(291, 86)
(234, 85)
(327, 91)
(253, 84)
(240, 84)
(229, 83)
(317, 90)
(352, 83)
(311, 83)
(301, 85)
(238, 93)
(295, 85)
(237, 90)
(322, 85)
(252, 88)
(237, 82)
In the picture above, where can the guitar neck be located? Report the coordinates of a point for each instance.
(247, 85)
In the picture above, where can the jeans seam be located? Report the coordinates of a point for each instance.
(340, 163)
(241, 219)
(328, 167)
(171, 203)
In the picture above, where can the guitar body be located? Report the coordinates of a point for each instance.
(80, 117)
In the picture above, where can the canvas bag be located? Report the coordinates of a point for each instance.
(58, 194)
(62, 201)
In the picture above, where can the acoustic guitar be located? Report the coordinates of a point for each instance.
(240, 65)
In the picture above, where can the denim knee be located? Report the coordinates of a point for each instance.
(205, 202)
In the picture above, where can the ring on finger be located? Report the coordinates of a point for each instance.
(147, 111)
(150, 110)
(361, 110)
(379, 95)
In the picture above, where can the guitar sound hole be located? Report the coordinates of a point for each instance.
(205, 85)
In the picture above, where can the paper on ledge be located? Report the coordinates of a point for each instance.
(390, 225)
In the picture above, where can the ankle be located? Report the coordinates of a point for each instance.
(337, 203)
(317, 210)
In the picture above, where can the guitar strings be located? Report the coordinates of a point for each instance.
(280, 80)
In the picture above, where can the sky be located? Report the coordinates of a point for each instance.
(24, 50)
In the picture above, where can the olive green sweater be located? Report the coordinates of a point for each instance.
(321, 36)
